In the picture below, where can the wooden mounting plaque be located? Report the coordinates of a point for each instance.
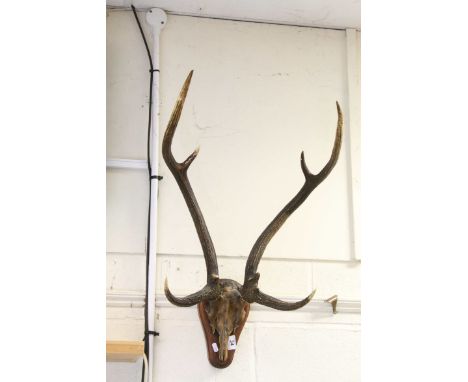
(214, 338)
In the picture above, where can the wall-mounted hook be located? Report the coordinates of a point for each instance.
(333, 300)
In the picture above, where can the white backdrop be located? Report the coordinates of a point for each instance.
(259, 96)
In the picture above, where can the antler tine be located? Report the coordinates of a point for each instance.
(173, 165)
(250, 291)
(272, 302)
(206, 293)
(179, 170)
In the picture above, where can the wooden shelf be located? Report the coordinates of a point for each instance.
(124, 351)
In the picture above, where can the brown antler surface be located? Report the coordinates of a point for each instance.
(224, 303)
(250, 291)
(179, 170)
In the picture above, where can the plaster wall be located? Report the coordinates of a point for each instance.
(259, 96)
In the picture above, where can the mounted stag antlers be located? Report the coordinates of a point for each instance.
(224, 304)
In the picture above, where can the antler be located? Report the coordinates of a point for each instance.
(250, 291)
(179, 170)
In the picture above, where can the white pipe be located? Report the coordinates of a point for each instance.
(156, 18)
(354, 137)
(145, 361)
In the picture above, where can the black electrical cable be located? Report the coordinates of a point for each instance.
(150, 178)
(152, 70)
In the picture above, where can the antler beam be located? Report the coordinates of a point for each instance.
(179, 170)
(250, 290)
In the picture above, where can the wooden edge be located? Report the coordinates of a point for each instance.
(124, 351)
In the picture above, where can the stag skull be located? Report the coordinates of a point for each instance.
(226, 313)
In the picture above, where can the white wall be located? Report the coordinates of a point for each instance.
(260, 95)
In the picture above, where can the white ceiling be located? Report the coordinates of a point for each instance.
(337, 14)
